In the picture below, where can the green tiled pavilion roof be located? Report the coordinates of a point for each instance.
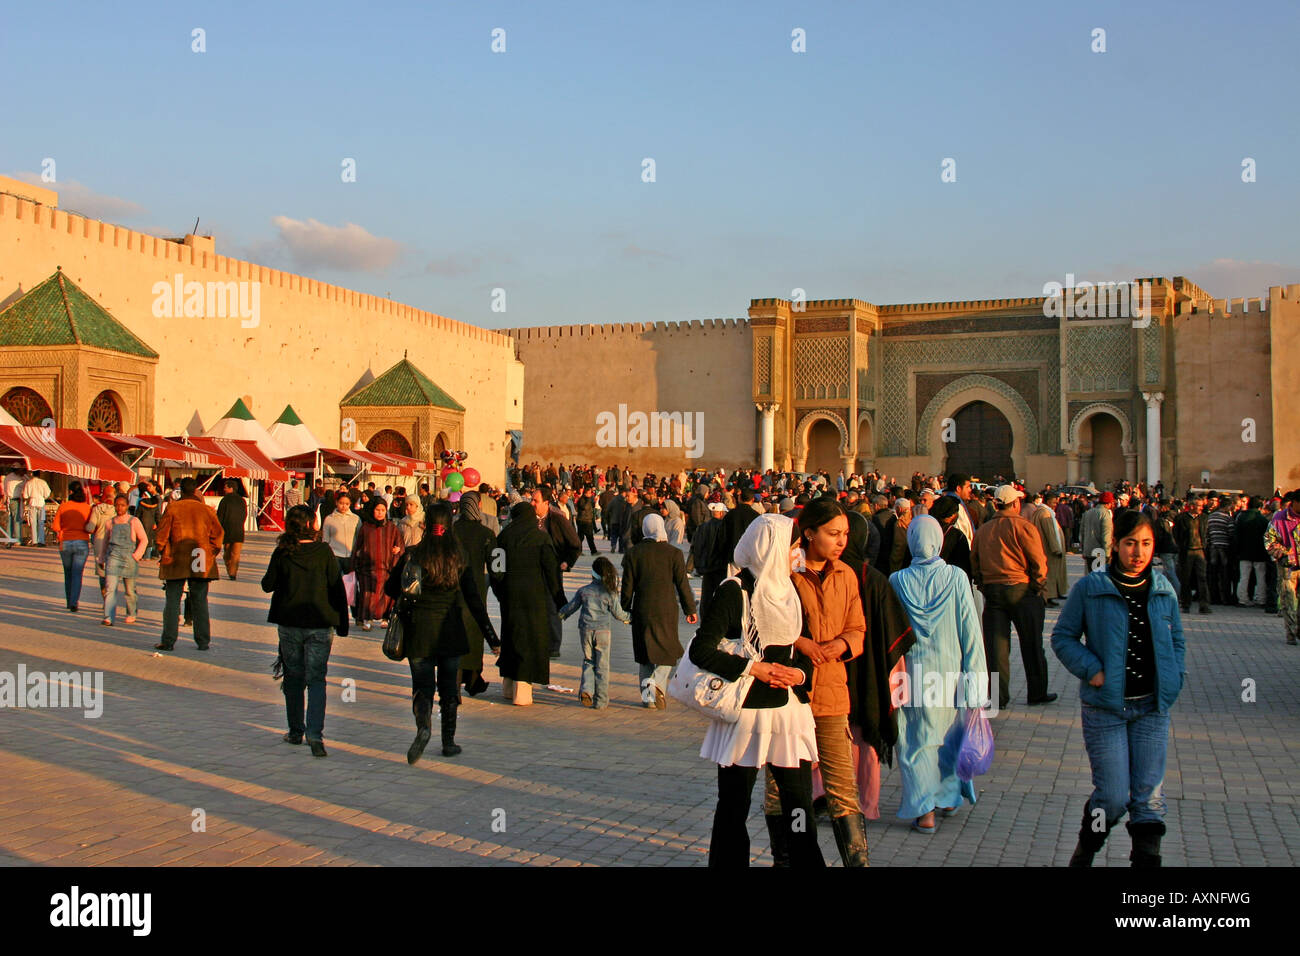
(403, 384)
(57, 312)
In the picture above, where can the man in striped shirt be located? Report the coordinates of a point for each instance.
(1218, 532)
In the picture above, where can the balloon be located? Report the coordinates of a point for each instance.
(472, 477)
(454, 482)
(446, 470)
(454, 496)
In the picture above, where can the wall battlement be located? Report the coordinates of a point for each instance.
(539, 332)
(128, 241)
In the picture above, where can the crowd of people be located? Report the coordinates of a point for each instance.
(845, 589)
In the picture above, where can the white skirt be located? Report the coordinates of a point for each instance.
(781, 736)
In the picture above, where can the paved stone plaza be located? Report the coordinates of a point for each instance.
(553, 784)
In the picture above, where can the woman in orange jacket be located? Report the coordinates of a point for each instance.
(834, 628)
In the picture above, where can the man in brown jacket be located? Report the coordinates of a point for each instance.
(1010, 569)
(189, 542)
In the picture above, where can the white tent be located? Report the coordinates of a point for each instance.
(240, 423)
(293, 437)
(7, 419)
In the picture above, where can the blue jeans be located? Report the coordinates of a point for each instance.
(1170, 562)
(652, 677)
(15, 523)
(36, 519)
(110, 599)
(198, 591)
(73, 554)
(306, 654)
(1127, 754)
(595, 666)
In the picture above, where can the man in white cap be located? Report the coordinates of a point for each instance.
(709, 553)
(1009, 567)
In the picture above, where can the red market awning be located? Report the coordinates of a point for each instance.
(164, 449)
(341, 459)
(249, 460)
(63, 451)
(416, 465)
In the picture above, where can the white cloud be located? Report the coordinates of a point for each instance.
(80, 199)
(313, 244)
(1233, 278)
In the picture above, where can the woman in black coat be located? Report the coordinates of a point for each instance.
(525, 579)
(307, 602)
(654, 582)
(955, 549)
(478, 543)
(434, 638)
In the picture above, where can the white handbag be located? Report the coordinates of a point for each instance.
(704, 691)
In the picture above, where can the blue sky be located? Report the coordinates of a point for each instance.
(774, 170)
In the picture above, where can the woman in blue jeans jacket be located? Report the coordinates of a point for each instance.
(1120, 633)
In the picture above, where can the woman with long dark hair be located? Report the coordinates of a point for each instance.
(307, 601)
(1121, 634)
(477, 541)
(74, 543)
(435, 636)
(378, 547)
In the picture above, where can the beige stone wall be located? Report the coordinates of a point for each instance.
(574, 373)
(311, 343)
(1223, 376)
(1284, 371)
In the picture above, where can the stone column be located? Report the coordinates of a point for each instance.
(767, 449)
(847, 464)
(1071, 467)
(1154, 401)
(1131, 467)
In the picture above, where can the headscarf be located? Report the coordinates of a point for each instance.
(764, 551)
(470, 507)
(928, 585)
(368, 513)
(652, 527)
(855, 550)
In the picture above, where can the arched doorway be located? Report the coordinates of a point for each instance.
(1101, 450)
(389, 442)
(823, 448)
(105, 414)
(982, 442)
(26, 405)
(439, 446)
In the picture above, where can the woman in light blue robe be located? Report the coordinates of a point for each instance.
(945, 669)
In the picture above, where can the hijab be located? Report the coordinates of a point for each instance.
(855, 551)
(764, 551)
(470, 508)
(928, 585)
(652, 527)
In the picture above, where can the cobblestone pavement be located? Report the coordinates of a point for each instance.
(188, 738)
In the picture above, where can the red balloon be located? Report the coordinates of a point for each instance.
(472, 477)
(446, 470)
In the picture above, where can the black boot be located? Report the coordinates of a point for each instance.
(1090, 840)
(422, 707)
(449, 748)
(776, 831)
(1146, 843)
(851, 839)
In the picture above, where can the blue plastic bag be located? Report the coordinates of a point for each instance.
(975, 755)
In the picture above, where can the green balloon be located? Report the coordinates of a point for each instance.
(454, 482)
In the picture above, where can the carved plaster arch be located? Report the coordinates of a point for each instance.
(1085, 413)
(982, 388)
(867, 454)
(805, 425)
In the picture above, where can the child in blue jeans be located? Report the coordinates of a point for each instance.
(598, 603)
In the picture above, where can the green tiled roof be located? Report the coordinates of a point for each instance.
(403, 384)
(57, 312)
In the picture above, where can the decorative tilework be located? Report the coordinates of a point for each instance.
(925, 424)
(763, 364)
(821, 368)
(1100, 358)
(1151, 365)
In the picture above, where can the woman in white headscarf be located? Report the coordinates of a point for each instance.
(776, 727)
(945, 670)
(654, 583)
(675, 526)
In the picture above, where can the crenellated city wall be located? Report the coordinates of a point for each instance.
(311, 344)
(575, 373)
